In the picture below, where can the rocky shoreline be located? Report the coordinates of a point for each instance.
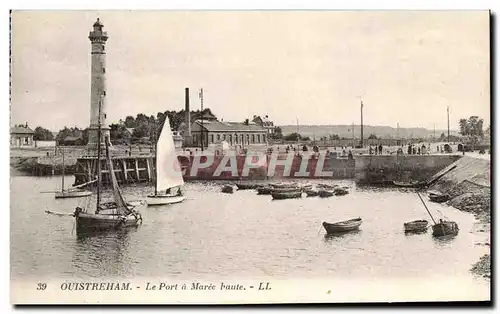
(474, 198)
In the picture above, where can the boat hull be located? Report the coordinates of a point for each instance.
(438, 198)
(343, 226)
(227, 189)
(153, 200)
(98, 222)
(416, 226)
(72, 194)
(325, 193)
(286, 195)
(264, 190)
(445, 228)
(312, 192)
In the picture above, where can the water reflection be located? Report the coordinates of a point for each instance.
(341, 236)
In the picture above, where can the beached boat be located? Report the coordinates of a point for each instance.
(416, 226)
(227, 189)
(342, 226)
(76, 190)
(438, 197)
(325, 193)
(168, 174)
(286, 194)
(445, 228)
(413, 184)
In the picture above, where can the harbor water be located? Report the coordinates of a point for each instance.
(243, 236)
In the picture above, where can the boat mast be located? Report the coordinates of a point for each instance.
(62, 184)
(426, 207)
(99, 157)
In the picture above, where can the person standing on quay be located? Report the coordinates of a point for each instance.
(380, 149)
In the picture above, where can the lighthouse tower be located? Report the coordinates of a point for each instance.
(98, 40)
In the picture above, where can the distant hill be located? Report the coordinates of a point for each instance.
(346, 131)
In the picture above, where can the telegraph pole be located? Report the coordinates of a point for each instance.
(353, 144)
(201, 102)
(448, 111)
(362, 124)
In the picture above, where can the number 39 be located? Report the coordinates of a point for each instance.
(41, 286)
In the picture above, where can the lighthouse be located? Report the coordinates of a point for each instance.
(98, 39)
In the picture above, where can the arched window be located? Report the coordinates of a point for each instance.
(258, 138)
(212, 138)
(253, 138)
(236, 138)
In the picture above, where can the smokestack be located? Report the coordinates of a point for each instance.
(188, 112)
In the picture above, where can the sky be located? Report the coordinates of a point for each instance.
(314, 66)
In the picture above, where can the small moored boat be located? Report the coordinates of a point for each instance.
(227, 189)
(342, 226)
(444, 228)
(325, 193)
(281, 195)
(416, 226)
(246, 185)
(340, 191)
(438, 197)
(312, 192)
(264, 190)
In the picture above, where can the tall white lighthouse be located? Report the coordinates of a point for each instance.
(98, 40)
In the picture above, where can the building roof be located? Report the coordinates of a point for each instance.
(218, 126)
(21, 130)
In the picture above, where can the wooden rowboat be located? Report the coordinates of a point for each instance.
(281, 195)
(246, 185)
(416, 226)
(326, 193)
(227, 189)
(312, 192)
(343, 226)
(444, 228)
(265, 190)
(340, 192)
(414, 184)
(438, 197)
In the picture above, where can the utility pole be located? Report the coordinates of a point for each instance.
(448, 111)
(353, 144)
(362, 124)
(297, 129)
(434, 131)
(201, 102)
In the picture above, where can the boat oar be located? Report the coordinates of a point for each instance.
(426, 207)
(49, 191)
(59, 214)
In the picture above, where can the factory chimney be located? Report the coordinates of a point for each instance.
(187, 136)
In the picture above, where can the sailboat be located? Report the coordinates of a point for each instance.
(168, 173)
(115, 214)
(71, 193)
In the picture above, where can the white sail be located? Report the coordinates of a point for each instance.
(168, 170)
